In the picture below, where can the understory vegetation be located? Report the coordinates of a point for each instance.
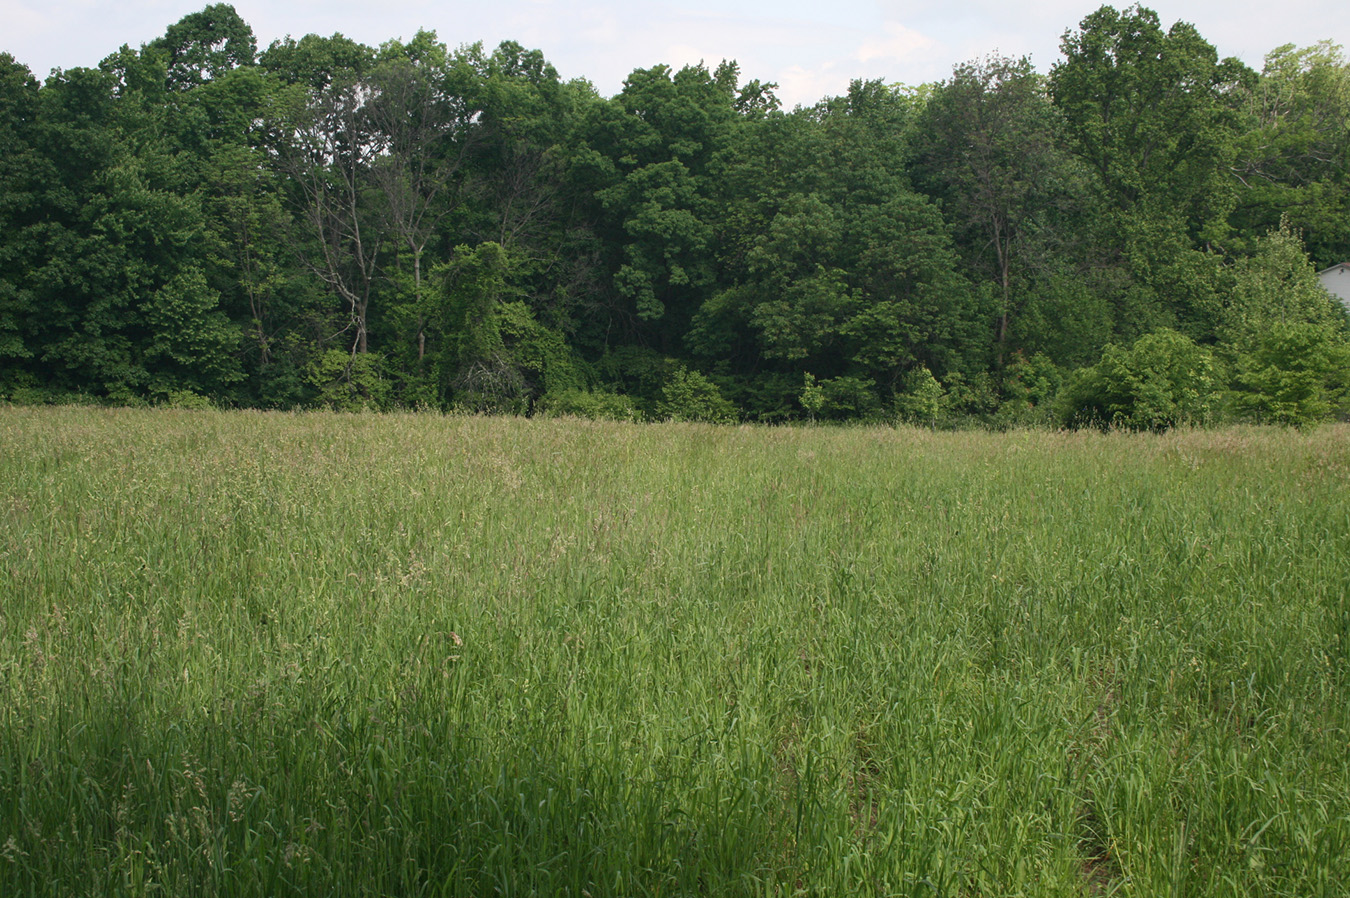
(261, 653)
(1130, 239)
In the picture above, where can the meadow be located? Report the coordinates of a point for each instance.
(261, 654)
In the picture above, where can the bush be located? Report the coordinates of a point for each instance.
(491, 386)
(850, 399)
(921, 403)
(593, 405)
(1163, 380)
(1293, 374)
(968, 401)
(189, 400)
(1285, 336)
(1028, 393)
(348, 381)
(689, 396)
(25, 392)
(812, 398)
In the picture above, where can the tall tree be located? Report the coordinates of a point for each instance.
(988, 145)
(327, 143)
(422, 105)
(204, 45)
(648, 161)
(1294, 157)
(126, 307)
(1155, 114)
(23, 172)
(1287, 339)
(519, 196)
(835, 266)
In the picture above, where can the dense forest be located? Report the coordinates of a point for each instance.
(1132, 239)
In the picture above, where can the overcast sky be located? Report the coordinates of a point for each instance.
(812, 49)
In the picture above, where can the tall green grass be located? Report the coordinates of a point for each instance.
(254, 654)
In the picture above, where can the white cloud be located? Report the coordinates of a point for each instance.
(23, 25)
(678, 56)
(896, 42)
(799, 86)
(894, 52)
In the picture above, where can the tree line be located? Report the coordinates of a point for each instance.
(1132, 239)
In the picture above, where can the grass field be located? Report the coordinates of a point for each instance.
(260, 654)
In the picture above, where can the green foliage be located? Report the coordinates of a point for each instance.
(491, 385)
(812, 398)
(842, 269)
(22, 391)
(1177, 100)
(768, 397)
(690, 396)
(849, 398)
(471, 285)
(647, 160)
(636, 371)
(989, 145)
(495, 354)
(1155, 115)
(541, 354)
(314, 61)
(1277, 284)
(1163, 380)
(194, 343)
(187, 400)
(1294, 157)
(1069, 318)
(971, 400)
(193, 217)
(595, 405)
(1293, 373)
(1174, 282)
(1029, 388)
(205, 45)
(1285, 335)
(921, 402)
(22, 171)
(348, 381)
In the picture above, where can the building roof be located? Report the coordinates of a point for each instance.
(1343, 266)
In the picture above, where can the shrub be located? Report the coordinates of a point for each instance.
(1293, 374)
(491, 386)
(595, 405)
(969, 400)
(850, 398)
(921, 403)
(189, 400)
(1028, 393)
(1285, 336)
(812, 398)
(689, 396)
(348, 381)
(1164, 379)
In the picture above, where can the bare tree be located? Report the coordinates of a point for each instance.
(327, 145)
(429, 125)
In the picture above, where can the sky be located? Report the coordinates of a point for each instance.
(810, 49)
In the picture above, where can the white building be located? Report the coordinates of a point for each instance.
(1337, 281)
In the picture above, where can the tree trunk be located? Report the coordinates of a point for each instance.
(417, 299)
